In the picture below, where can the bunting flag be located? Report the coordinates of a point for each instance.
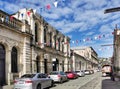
(34, 11)
(93, 38)
(48, 6)
(112, 33)
(66, 43)
(55, 3)
(11, 17)
(22, 15)
(28, 13)
(73, 42)
(2, 19)
(77, 41)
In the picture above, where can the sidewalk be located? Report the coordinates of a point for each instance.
(107, 83)
(7, 87)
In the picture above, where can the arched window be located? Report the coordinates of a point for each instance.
(14, 60)
(50, 39)
(55, 41)
(36, 32)
(45, 35)
(2, 65)
(59, 44)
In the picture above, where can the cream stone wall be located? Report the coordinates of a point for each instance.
(23, 38)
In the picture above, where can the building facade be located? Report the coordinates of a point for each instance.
(28, 44)
(78, 61)
(90, 56)
(116, 54)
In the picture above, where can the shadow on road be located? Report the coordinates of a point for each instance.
(109, 84)
(1, 87)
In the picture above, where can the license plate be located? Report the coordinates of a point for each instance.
(21, 82)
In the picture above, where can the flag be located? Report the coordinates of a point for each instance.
(28, 13)
(73, 42)
(55, 3)
(22, 15)
(112, 33)
(77, 41)
(11, 17)
(34, 11)
(48, 6)
(2, 19)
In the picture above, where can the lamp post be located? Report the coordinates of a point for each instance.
(114, 73)
(112, 10)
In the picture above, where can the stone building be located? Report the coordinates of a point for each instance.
(78, 61)
(29, 44)
(90, 56)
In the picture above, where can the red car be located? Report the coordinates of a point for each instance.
(71, 74)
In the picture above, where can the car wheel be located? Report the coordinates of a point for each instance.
(61, 81)
(38, 86)
(52, 83)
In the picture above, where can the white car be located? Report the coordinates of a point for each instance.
(80, 73)
(87, 72)
(33, 81)
(58, 76)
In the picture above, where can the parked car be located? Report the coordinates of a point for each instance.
(91, 71)
(87, 72)
(58, 76)
(80, 73)
(33, 81)
(71, 74)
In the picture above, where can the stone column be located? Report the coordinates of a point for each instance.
(9, 76)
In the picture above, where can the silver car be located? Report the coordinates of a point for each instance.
(33, 81)
(58, 76)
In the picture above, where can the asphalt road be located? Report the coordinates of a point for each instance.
(92, 81)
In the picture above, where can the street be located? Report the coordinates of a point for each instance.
(94, 81)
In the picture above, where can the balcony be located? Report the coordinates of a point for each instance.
(9, 21)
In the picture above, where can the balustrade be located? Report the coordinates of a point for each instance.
(10, 21)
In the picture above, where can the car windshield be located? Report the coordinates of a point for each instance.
(28, 76)
(77, 71)
(54, 73)
(68, 72)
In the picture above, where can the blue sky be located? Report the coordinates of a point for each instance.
(83, 21)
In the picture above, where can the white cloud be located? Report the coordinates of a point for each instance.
(82, 16)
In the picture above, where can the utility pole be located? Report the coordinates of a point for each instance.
(115, 75)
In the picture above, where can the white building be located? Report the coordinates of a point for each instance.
(89, 55)
(28, 44)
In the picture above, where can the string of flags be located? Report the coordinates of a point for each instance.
(48, 6)
(92, 39)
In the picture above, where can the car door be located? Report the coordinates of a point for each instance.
(47, 81)
(63, 76)
(41, 80)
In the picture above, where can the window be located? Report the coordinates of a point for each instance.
(14, 61)
(36, 33)
(44, 35)
(55, 41)
(37, 64)
(59, 44)
(50, 39)
(42, 76)
(28, 76)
